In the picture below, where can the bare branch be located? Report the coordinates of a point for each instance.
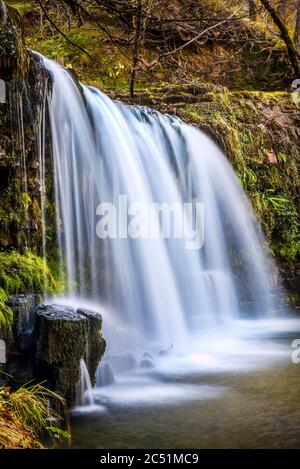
(196, 38)
(62, 33)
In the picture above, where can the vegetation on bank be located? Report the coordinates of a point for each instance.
(23, 273)
(257, 129)
(27, 418)
(258, 135)
(248, 110)
(105, 42)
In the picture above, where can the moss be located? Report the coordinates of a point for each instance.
(109, 70)
(22, 273)
(22, 7)
(6, 314)
(65, 336)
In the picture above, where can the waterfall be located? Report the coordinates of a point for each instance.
(156, 290)
(86, 393)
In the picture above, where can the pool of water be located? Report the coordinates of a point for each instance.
(238, 392)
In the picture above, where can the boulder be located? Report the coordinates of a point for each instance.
(122, 363)
(66, 335)
(146, 363)
(104, 376)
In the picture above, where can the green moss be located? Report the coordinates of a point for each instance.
(109, 70)
(21, 7)
(22, 273)
(6, 314)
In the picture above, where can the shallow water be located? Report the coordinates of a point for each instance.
(253, 402)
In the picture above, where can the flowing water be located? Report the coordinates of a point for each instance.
(86, 394)
(183, 315)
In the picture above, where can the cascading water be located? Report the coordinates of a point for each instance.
(156, 290)
(85, 392)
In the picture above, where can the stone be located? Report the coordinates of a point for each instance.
(66, 335)
(23, 307)
(122, 363)
(20, 363)
(163, 353)
(104, 375)
(146, 363)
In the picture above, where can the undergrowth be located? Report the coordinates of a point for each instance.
(23, 273)
(27, 418)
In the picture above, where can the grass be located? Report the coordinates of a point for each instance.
(27, 418)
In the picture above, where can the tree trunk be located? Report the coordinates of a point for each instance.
(292, 53)
(136, 46)
(252, 9)
(297, 26)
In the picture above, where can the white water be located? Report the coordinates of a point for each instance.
(86, 394)
(154, 292)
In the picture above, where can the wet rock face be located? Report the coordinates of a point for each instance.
(24, 82)
(23, 307)
(65, 335)
(21, 342)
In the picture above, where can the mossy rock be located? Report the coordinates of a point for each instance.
(64, 337)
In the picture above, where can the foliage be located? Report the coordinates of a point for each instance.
(247, 178)
(26, 417)
(21, 273)
(6, 314)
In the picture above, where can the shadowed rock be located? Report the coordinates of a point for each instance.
(104, 375)
(146, 363)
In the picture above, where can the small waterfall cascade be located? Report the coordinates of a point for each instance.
(85, 390)
(157, 289)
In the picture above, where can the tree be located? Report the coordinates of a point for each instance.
(252, 9)
(136, 49)
(297, 26)
(285, 36)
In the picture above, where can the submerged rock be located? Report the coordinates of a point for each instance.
(66, 335)
(163, 353)
(104, 375)
(146, 363)
(122, 363)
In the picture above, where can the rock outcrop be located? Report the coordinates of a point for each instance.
(64, 337)
(47, 343)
